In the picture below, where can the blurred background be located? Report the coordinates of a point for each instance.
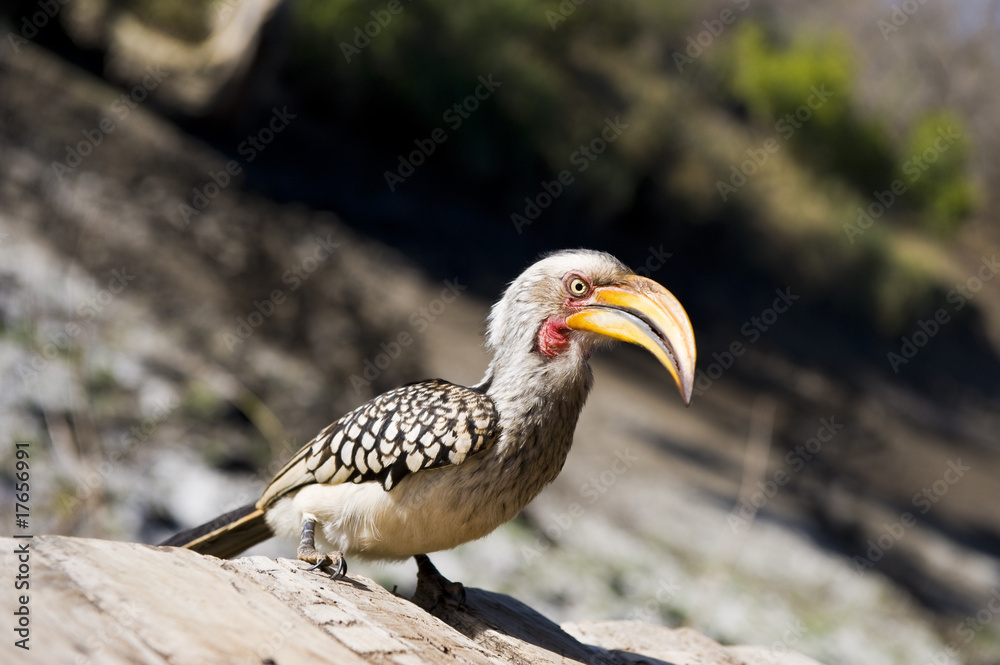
(224, 223)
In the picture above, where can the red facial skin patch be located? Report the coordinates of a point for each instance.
(552, 339)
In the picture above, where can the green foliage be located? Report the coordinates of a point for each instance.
(420, 60)
(429, 55)
(936, 154)
(781, 84)
(772, 80)
(805, 89)
(566, 67)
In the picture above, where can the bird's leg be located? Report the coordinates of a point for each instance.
(434, 589)
(307, 551)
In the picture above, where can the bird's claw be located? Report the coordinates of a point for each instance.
(321, 561)
(341, 571)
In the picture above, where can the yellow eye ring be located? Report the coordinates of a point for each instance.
(578, 287)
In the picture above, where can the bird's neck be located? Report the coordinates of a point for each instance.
(539, 400)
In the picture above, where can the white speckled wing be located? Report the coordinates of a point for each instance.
(418, 426)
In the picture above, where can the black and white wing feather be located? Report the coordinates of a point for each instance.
(418, 426)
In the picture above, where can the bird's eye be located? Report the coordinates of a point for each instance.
(578, 286)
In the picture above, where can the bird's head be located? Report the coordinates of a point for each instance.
(566, 304)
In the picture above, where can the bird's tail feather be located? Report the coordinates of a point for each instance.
(227, 535)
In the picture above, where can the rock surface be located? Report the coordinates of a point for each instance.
(114, 602)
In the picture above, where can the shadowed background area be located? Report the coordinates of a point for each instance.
(223, 224)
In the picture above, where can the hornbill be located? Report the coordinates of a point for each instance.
(431, 465)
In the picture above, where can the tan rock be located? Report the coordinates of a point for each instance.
(96, 601)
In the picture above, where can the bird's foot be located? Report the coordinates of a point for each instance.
(320, 560)
(324, 561)
(434, 590)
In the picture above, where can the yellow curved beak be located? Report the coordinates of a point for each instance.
(640, 311)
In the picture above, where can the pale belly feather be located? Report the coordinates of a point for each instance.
(426, 512)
